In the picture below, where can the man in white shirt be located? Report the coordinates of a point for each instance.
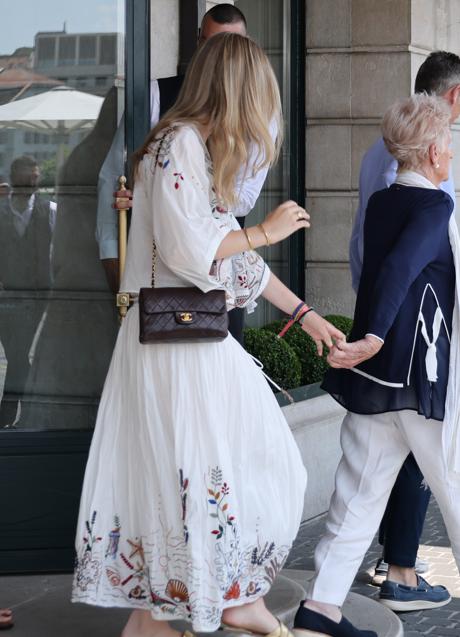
(27, 222)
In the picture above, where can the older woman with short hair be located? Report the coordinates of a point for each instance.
(399, 380)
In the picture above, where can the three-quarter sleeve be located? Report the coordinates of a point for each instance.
(417, 246)
(187, 236)
(189, 224)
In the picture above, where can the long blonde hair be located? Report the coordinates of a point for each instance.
(229, 85)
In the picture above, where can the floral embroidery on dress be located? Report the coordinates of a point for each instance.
(88, 569)
(234, 592)
(179, 177)
(161, 147)
(220, 511)
(142, 568)
(216, 204)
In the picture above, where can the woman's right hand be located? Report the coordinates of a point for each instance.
(284, 220)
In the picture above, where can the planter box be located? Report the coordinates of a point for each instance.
(315, 422)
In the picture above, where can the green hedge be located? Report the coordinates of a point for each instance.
(312, 367)
(278, 358)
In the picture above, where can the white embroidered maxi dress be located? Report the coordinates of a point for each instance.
(194, 486)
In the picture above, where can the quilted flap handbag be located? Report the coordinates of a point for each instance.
(169, 315)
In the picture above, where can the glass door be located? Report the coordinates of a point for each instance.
(273, 24)
(61, 100)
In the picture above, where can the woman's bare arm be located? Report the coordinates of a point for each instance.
(321, 331)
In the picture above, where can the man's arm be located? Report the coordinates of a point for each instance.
(249, 185)
(378, 171)
(107, 217)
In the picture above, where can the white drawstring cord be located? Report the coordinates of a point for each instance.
(272, 382)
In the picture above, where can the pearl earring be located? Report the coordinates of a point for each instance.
(437, 165)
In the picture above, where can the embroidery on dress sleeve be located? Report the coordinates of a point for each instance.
(179, 177)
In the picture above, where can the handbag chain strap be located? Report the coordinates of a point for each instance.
(154, 258)
(154, 245)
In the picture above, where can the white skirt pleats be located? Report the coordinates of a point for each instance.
(194, 486)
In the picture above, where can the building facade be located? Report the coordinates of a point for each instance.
(339, 63)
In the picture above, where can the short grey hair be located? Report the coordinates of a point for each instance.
(412, 125)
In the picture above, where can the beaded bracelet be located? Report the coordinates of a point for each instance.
(299, 320)
(295, 317)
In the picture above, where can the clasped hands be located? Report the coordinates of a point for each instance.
(347, 355)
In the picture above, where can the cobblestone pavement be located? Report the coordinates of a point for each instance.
(435, 547)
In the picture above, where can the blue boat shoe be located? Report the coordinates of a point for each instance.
(400, 598)
(308, 623)
(381, 570)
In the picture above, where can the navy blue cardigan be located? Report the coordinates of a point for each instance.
(408, 273)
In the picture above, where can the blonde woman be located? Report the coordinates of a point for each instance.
(194, 487)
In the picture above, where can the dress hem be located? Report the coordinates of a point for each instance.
(160, 616)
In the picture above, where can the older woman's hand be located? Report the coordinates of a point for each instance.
(321, 331)
(351, 354)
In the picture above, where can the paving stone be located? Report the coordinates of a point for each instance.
(435, 548)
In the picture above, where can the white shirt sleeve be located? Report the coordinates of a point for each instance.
(107, 217)
(248, 183)
(154, 103)
(112, 168)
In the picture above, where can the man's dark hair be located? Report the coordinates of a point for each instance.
(438, 73)
(225, 14)
(20, 170)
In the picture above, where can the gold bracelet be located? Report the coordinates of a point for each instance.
(267, 238)
(246, 233)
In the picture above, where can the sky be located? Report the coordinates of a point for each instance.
(23, 18)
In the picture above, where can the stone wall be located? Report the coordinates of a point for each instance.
(211, 3)
(164, 39)
(361, 56)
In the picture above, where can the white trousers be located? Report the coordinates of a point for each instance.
(374, 448)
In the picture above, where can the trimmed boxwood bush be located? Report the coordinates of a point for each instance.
(343, 323)
(278, 358)
(313, 367)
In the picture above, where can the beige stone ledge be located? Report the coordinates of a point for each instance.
(393, 48)
(356, 121)
(343, 121)
(339, 194)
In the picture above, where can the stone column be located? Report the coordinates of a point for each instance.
(164, 41)
(361, 56)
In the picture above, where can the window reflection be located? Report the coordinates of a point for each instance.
(57, 316)
(27, 222)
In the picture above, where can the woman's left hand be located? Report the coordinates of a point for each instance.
(349, 355)
(321, 331)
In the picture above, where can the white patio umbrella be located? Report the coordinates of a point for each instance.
(61, 110)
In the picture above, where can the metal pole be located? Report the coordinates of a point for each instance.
(123, 299)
